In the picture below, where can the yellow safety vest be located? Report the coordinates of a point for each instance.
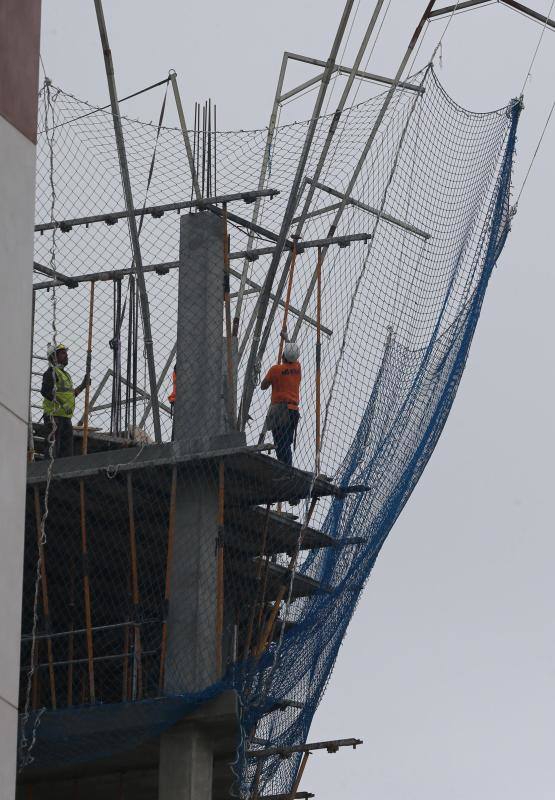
(64, 403)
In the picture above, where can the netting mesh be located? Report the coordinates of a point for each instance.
(398, 315)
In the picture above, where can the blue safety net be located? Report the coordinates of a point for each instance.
(102, 675)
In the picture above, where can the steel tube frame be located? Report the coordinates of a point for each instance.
(165, 266)
(522, 9)
(379, 119)
(261, 346)
(261, 182)
(369, 76)
(376, 212)
(156, 211)
(284, 752)
(126, 183)
(264, 298)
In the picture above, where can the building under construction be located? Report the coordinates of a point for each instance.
(185, 592)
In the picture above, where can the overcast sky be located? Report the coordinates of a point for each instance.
(447, 671)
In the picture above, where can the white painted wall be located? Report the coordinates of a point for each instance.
(17, 194)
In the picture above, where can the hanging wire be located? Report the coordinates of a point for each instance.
(535, 154)
(533, 59)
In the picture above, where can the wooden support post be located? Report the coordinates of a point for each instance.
(45, 603)
(169, 561)
(220, 569)
(258, 596)
(125, 665)
(70, 640)
(266, 634)
(86, 591)
(299, 776)
(137, 679)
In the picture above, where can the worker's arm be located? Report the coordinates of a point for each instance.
(267, 381)
(47, 388)
(77, 391)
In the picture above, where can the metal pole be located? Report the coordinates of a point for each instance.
(287, 302)
(88, 373)
(261, 182)
(249, 381)
(319, 167)
(368, 145)
(126, 183)
(528, 12)
(185, 132)
(318, 357)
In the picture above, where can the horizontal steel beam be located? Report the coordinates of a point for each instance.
(284, 752)
(370, 76)
(296, 796)
(522, 9)
(382, 215)
(156, 211)
(53, 273)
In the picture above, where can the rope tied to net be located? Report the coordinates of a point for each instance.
(26, 744)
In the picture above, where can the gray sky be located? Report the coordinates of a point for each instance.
(447, 671)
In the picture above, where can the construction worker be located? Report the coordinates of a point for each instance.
(171, 397)
(283, 414)
(59, 401)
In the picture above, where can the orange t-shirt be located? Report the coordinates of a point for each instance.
(285, 380)
(171, 397)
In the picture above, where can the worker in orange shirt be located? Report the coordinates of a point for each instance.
(171, 397)
(283, 414)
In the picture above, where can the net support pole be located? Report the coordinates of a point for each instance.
(185, 132)
(318, 358)
(133, 231)
(230, 388)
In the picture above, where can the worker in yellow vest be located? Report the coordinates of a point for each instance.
(58, 402)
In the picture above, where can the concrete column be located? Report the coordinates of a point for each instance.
(199, 328)
(186, 756)
(186, 764)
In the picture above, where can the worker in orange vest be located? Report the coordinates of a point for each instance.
(283, 415)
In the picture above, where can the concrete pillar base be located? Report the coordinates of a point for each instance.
(186, 764)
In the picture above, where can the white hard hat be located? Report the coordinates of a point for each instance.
(291, 351)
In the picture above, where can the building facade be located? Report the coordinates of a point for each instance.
(19, 62)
